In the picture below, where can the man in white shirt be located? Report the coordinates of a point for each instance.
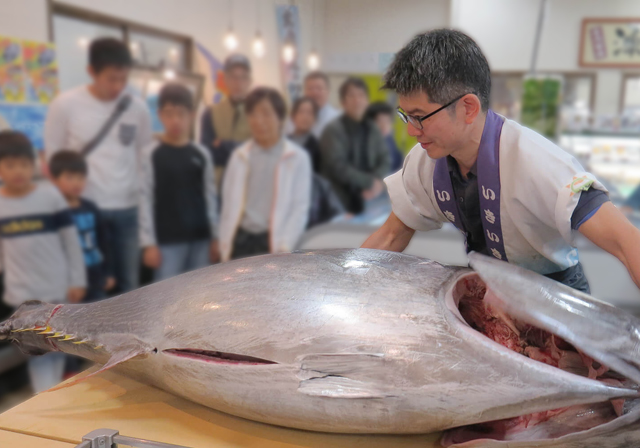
(515, 195)
(75, 120)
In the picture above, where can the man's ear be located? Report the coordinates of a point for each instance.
(472, 108)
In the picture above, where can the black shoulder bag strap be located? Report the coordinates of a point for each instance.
(121, 107)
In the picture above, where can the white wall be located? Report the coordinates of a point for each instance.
(505, 29)
(358, 30)
(207, 22)
(24, 19)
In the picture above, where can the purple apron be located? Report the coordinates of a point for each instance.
(488, 185)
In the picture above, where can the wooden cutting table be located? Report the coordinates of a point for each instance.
(60, 419)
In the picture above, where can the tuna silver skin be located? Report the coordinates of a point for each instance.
(347, 341)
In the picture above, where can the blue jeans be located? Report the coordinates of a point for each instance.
(122, 226)
(46, 371)
(183, 257)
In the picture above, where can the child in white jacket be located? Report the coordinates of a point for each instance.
(267, 186)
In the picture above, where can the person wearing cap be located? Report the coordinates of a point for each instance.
(514, 195)
(224, 125)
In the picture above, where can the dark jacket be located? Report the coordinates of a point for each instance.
(325, 204)
(394, 152)
(313, 149)
(353, 155)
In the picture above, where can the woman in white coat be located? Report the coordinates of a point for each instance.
(267, 185)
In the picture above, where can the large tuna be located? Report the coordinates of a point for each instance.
(364, 341)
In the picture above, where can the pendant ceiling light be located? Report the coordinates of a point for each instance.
(313, 61)
(258, 42)
(230, 40)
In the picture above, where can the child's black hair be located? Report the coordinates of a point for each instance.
(109, 52)
(15, 144)
(176, 95)
(67, 161)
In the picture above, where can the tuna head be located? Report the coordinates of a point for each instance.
(559, 326)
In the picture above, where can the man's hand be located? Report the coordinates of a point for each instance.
(216, 143)
(152, 258)
(214, 252)
(611, 231)
(75, 295)
(394, 235)
(376, 189)
(110, 283)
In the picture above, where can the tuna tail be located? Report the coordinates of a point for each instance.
(5, 330)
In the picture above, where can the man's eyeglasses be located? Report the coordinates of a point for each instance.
(416, 122)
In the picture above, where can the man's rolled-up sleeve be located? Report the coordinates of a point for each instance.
(409, 200)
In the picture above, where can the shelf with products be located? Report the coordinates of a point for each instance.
(614, 157)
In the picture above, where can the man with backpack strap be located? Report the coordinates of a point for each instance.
(109, 127)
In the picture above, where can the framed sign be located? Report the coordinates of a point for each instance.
(613, 43)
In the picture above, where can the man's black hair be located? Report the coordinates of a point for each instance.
(300, 101)
(317, 74)
(177, 95)
(109, 52)
(350, 82)
(378, 108)
(67, 161)
(15, 144)
(443, 64)
(266, 93)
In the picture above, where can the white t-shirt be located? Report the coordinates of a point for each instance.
(75, 117)
(326, 114)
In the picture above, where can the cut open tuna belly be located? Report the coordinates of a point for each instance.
(482, 310)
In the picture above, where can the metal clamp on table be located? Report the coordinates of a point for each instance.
(110, 438)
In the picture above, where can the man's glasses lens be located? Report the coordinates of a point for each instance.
(402, 116)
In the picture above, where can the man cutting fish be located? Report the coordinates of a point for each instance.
(514, 195)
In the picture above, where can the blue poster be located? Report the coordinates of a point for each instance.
(152, 104)
(26, 118)
(288, 21)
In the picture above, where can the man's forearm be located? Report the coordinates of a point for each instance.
(610, 230)
(392, 236)
(630, 255)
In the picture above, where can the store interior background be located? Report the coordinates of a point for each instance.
(598, 112)
(599, 106)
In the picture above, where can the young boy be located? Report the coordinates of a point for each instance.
(39, 247)
(69, 172)
(178, 205)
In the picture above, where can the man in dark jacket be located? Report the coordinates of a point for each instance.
(354, 155)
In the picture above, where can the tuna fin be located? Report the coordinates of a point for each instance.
(340, 387)
(121, 347)
(602, 331)
(345, 375)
